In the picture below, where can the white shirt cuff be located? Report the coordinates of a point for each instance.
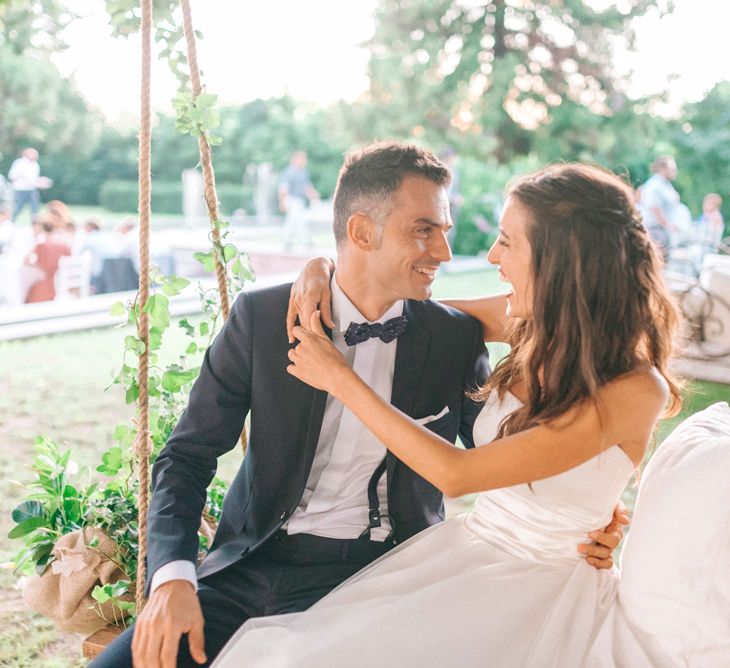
(175, 570)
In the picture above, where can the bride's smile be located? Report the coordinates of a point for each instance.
(512, 253)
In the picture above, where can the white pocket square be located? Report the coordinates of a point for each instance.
(432, 418)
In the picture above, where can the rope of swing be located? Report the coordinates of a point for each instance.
(211, 197)
(206, 161)
(143, 440)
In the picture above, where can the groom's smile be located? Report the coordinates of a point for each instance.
(413, 243)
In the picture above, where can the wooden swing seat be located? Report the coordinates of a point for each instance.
(97, 642)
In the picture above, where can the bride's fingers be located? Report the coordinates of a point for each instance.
(315, 324)
(299, 333)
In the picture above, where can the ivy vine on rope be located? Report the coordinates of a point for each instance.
(59, 504)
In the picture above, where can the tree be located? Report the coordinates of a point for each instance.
(483, 76)
(34, 25)
(702, 141)
(42, 109)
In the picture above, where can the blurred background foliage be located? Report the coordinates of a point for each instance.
(510, 86)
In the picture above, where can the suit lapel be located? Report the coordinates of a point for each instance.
(313, 407)
(410, 358)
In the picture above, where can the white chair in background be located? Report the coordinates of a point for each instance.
(73, 278)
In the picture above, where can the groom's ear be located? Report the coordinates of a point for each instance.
(362, 231)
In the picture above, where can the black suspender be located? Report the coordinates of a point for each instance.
(374, 514)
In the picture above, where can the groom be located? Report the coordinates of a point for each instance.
(317, 497)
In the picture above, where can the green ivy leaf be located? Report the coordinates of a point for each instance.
(123, 434)
(206, 100)
(119, 588)
(132, 393)
(134, 344)
(192, 348)
(229, 252)
(174, 380)
(117, 309)
(155, 339)
(101, 594)
(125, 606)
(206, 259)
(174, 285)
(204, 328)
(112, 459)
(189, 329)
(242, 270)
(158, 307)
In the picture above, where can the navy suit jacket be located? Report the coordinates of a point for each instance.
(440, 355)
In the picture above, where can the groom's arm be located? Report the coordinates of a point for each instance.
(209, 427)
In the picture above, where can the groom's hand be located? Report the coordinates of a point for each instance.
(599, 553)
(172, 610)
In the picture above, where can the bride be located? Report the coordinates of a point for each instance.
(568, 416)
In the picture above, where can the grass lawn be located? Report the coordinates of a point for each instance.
(56, 386)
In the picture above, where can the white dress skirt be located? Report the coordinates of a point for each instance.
(501, 586)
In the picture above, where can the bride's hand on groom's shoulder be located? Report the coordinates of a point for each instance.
(315, 360)
(599, 553)
(309, 292)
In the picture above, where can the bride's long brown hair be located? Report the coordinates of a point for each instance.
(600, 305)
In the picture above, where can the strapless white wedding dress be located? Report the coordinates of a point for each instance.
(501, 586)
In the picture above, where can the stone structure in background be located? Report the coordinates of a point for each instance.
(193, 204)
(259, 180)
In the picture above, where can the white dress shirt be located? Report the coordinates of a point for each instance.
(24, 174)
(335, 499)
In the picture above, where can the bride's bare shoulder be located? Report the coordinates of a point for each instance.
(642, 387)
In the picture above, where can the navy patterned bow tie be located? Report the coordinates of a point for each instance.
(386, 331)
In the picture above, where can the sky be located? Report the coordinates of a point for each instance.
(313, 51)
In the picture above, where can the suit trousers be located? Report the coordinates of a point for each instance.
(287, 574)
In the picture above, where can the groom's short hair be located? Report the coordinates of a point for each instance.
(370, 177)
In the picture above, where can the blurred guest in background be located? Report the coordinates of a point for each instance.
(7, 228)
(710, 224)
(59, 213)
(666, 219)
(24, 174)
(295, 191)
(44, 257)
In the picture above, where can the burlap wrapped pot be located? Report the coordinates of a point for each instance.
(63, 592)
